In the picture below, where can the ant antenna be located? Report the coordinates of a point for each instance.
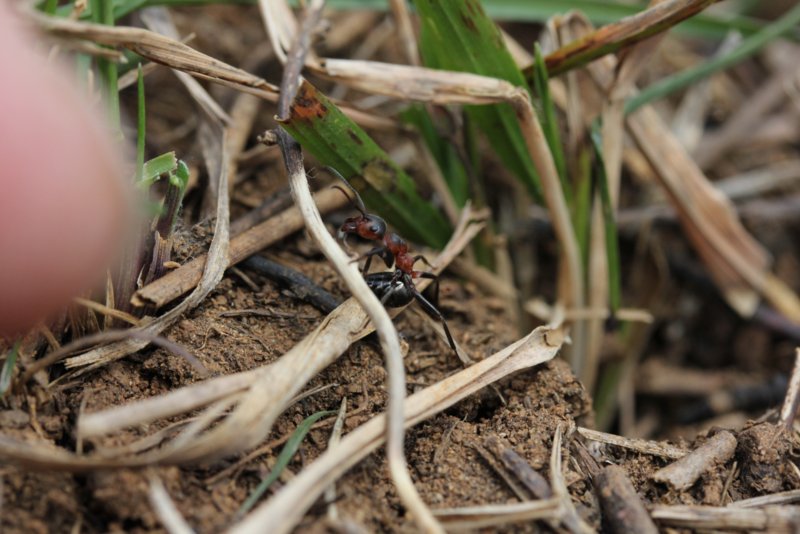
(356, 199)
(350, 199)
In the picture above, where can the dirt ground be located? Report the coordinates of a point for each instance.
(524, 411)
(249, 320)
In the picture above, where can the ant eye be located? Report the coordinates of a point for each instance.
(373, 229)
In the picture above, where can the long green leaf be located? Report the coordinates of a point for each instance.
(458, 35)
(154, 168)
(747, 48)
(288, 451)
(335, 140)
(103, 13)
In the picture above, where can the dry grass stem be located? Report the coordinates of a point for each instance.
(352, 277)
(625, 32)
(773, 519)
(161, 49)
(165, 509)
(783, 497)
(176, 55)
(287, 507)
(792, 399)
(683, 473)
(336, 437)
(177, 282)
(159, 20)
(107, 336)
(640, 445)
(405, 28)
(474, 517)
(107, 311)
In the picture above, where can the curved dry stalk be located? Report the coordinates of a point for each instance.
(165, 508)
(281, 513)
(405, 29)
(387, 333)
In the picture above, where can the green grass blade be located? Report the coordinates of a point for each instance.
(173, 199)
(446, 156)
(49, 6)
(747, 48)
(164, 164)
(610, 224)
(458, 35)
(549, 121)
(103, 13)
(140, 124)
(283, 460)
(8, 368)
(335, 140)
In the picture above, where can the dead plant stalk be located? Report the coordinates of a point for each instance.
(387, 333)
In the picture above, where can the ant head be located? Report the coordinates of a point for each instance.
(367, 226)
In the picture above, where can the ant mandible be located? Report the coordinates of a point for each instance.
(394, 289)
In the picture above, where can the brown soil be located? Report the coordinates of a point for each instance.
(524, 410)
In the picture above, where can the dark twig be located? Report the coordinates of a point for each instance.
(515, 470)
(530, 478)
(513, 483)
(623, 510)
(299, 284)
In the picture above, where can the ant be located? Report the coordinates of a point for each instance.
(394, 289)
(393, 249)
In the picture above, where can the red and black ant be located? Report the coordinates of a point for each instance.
(394, 289)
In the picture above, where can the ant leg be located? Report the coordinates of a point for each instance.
(434, 313)
(423, 259)
(377, 251)
(433, 289)
(382, 252)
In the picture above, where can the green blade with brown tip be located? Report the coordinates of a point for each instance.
(334, 139)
